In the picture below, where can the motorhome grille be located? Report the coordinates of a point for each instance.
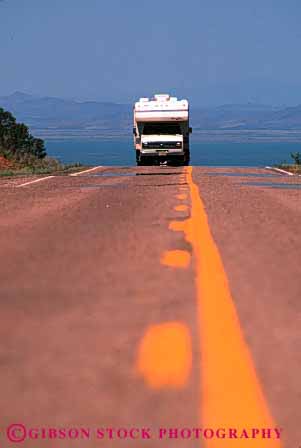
(161, 145)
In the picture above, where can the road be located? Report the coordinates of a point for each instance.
(152, 297)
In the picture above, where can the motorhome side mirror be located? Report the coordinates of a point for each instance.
(190, 130)
(134, 131)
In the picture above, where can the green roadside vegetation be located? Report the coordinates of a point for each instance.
(49, 166)
(295, 167)
(22, 154)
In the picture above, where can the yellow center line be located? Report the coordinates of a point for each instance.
(231, 394)
(176, 258)
(181, 208)
(165, 355)
(181, 196)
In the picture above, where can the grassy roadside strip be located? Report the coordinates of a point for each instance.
(47, 166)
(291, 168)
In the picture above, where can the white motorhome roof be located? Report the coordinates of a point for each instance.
(161, 107)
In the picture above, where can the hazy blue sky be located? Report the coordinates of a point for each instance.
(213, 51)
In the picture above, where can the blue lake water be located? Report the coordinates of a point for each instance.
(120, 152)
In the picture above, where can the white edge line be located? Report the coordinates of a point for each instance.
(279, 170)
(34, 181)
(86, 171)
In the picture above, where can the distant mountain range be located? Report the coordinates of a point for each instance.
(59, 114)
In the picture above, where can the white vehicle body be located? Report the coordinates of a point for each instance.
(161, 129)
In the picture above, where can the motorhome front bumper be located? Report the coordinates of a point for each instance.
(162, 152)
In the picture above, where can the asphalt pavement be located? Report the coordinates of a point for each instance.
(156, 299)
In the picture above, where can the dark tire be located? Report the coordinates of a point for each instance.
(186, 158)
(138, 158)
(182, 161)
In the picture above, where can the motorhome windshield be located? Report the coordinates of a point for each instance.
(161, 129)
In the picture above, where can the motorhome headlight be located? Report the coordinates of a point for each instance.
(179, 144)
